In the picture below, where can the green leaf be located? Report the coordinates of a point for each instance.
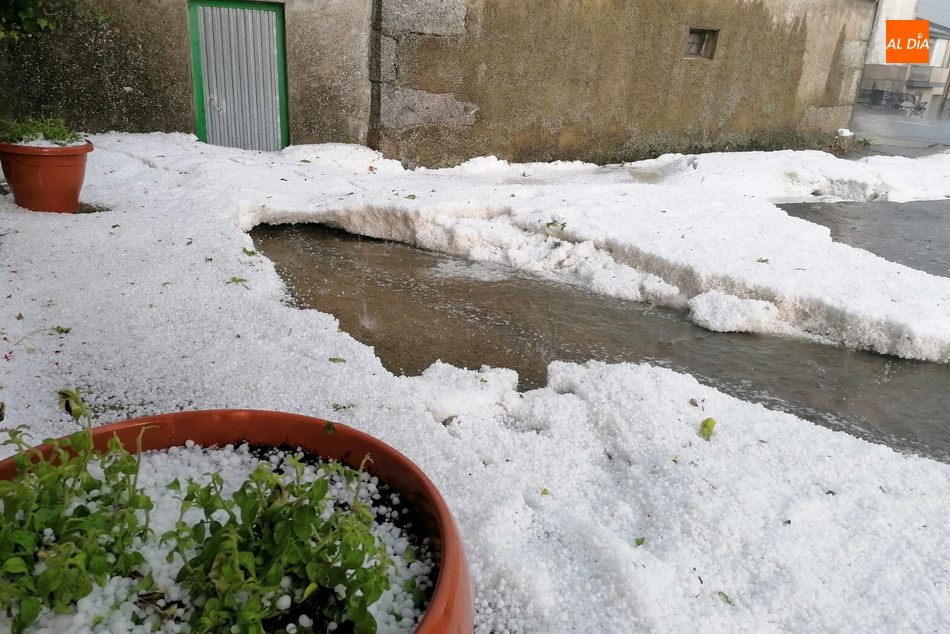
(29, 611)
(70, 401)
(725, 597)
(25, 539)
(199, 532)
(248, 252)
(98, 565)
(15, 566)
(246, 559)
(706, 428)
(337, 360)
(48, 582)
(62, 330)
(763, 260)
(81, 442)
(640, 541)
(250, 506)
(236, 280)
(318, 489)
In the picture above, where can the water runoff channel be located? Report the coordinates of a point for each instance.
(416, 307)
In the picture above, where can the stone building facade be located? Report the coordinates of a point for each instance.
(434, 82)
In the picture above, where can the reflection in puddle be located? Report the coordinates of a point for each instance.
(415, 307)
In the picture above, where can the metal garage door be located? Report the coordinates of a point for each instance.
(237, 51)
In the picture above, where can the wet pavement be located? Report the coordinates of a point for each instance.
(916, 234)
(415, 307)
(896, 134)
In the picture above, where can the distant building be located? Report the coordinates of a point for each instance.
(886, 10)
(434, 82)
(930, 83)
(899, 87)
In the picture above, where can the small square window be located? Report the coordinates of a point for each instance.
(701, 43)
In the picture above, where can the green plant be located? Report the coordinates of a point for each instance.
(22, 18)
(271, 551)
(283, 545)
(53, 543)
(52, 130)
(706, 428)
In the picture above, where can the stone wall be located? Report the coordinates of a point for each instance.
(328, 44)
(108, 66)
(435, 82)
(126, 65)
(607, 80)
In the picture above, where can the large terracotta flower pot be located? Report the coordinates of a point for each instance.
(450, 610)
(45, 178)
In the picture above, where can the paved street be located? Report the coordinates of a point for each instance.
(895, 134)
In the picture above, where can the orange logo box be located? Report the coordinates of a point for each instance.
(908, 42)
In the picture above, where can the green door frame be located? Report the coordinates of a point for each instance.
(201, 121)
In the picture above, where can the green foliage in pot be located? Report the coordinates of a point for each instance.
(276, 542)
(53, 543)
(252, 563)
(52, 130)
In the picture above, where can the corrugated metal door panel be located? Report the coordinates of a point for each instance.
(240, 71)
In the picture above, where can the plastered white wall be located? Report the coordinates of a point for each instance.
(888, 10)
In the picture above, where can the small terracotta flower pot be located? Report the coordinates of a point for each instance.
(45, 178)
(450, 611)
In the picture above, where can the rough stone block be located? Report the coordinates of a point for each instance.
(826, 119)
(427, 17)
(403, 108)
(388, 69)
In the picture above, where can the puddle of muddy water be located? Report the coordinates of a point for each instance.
(415, 307)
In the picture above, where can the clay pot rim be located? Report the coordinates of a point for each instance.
(453, 568)
(57, 150)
